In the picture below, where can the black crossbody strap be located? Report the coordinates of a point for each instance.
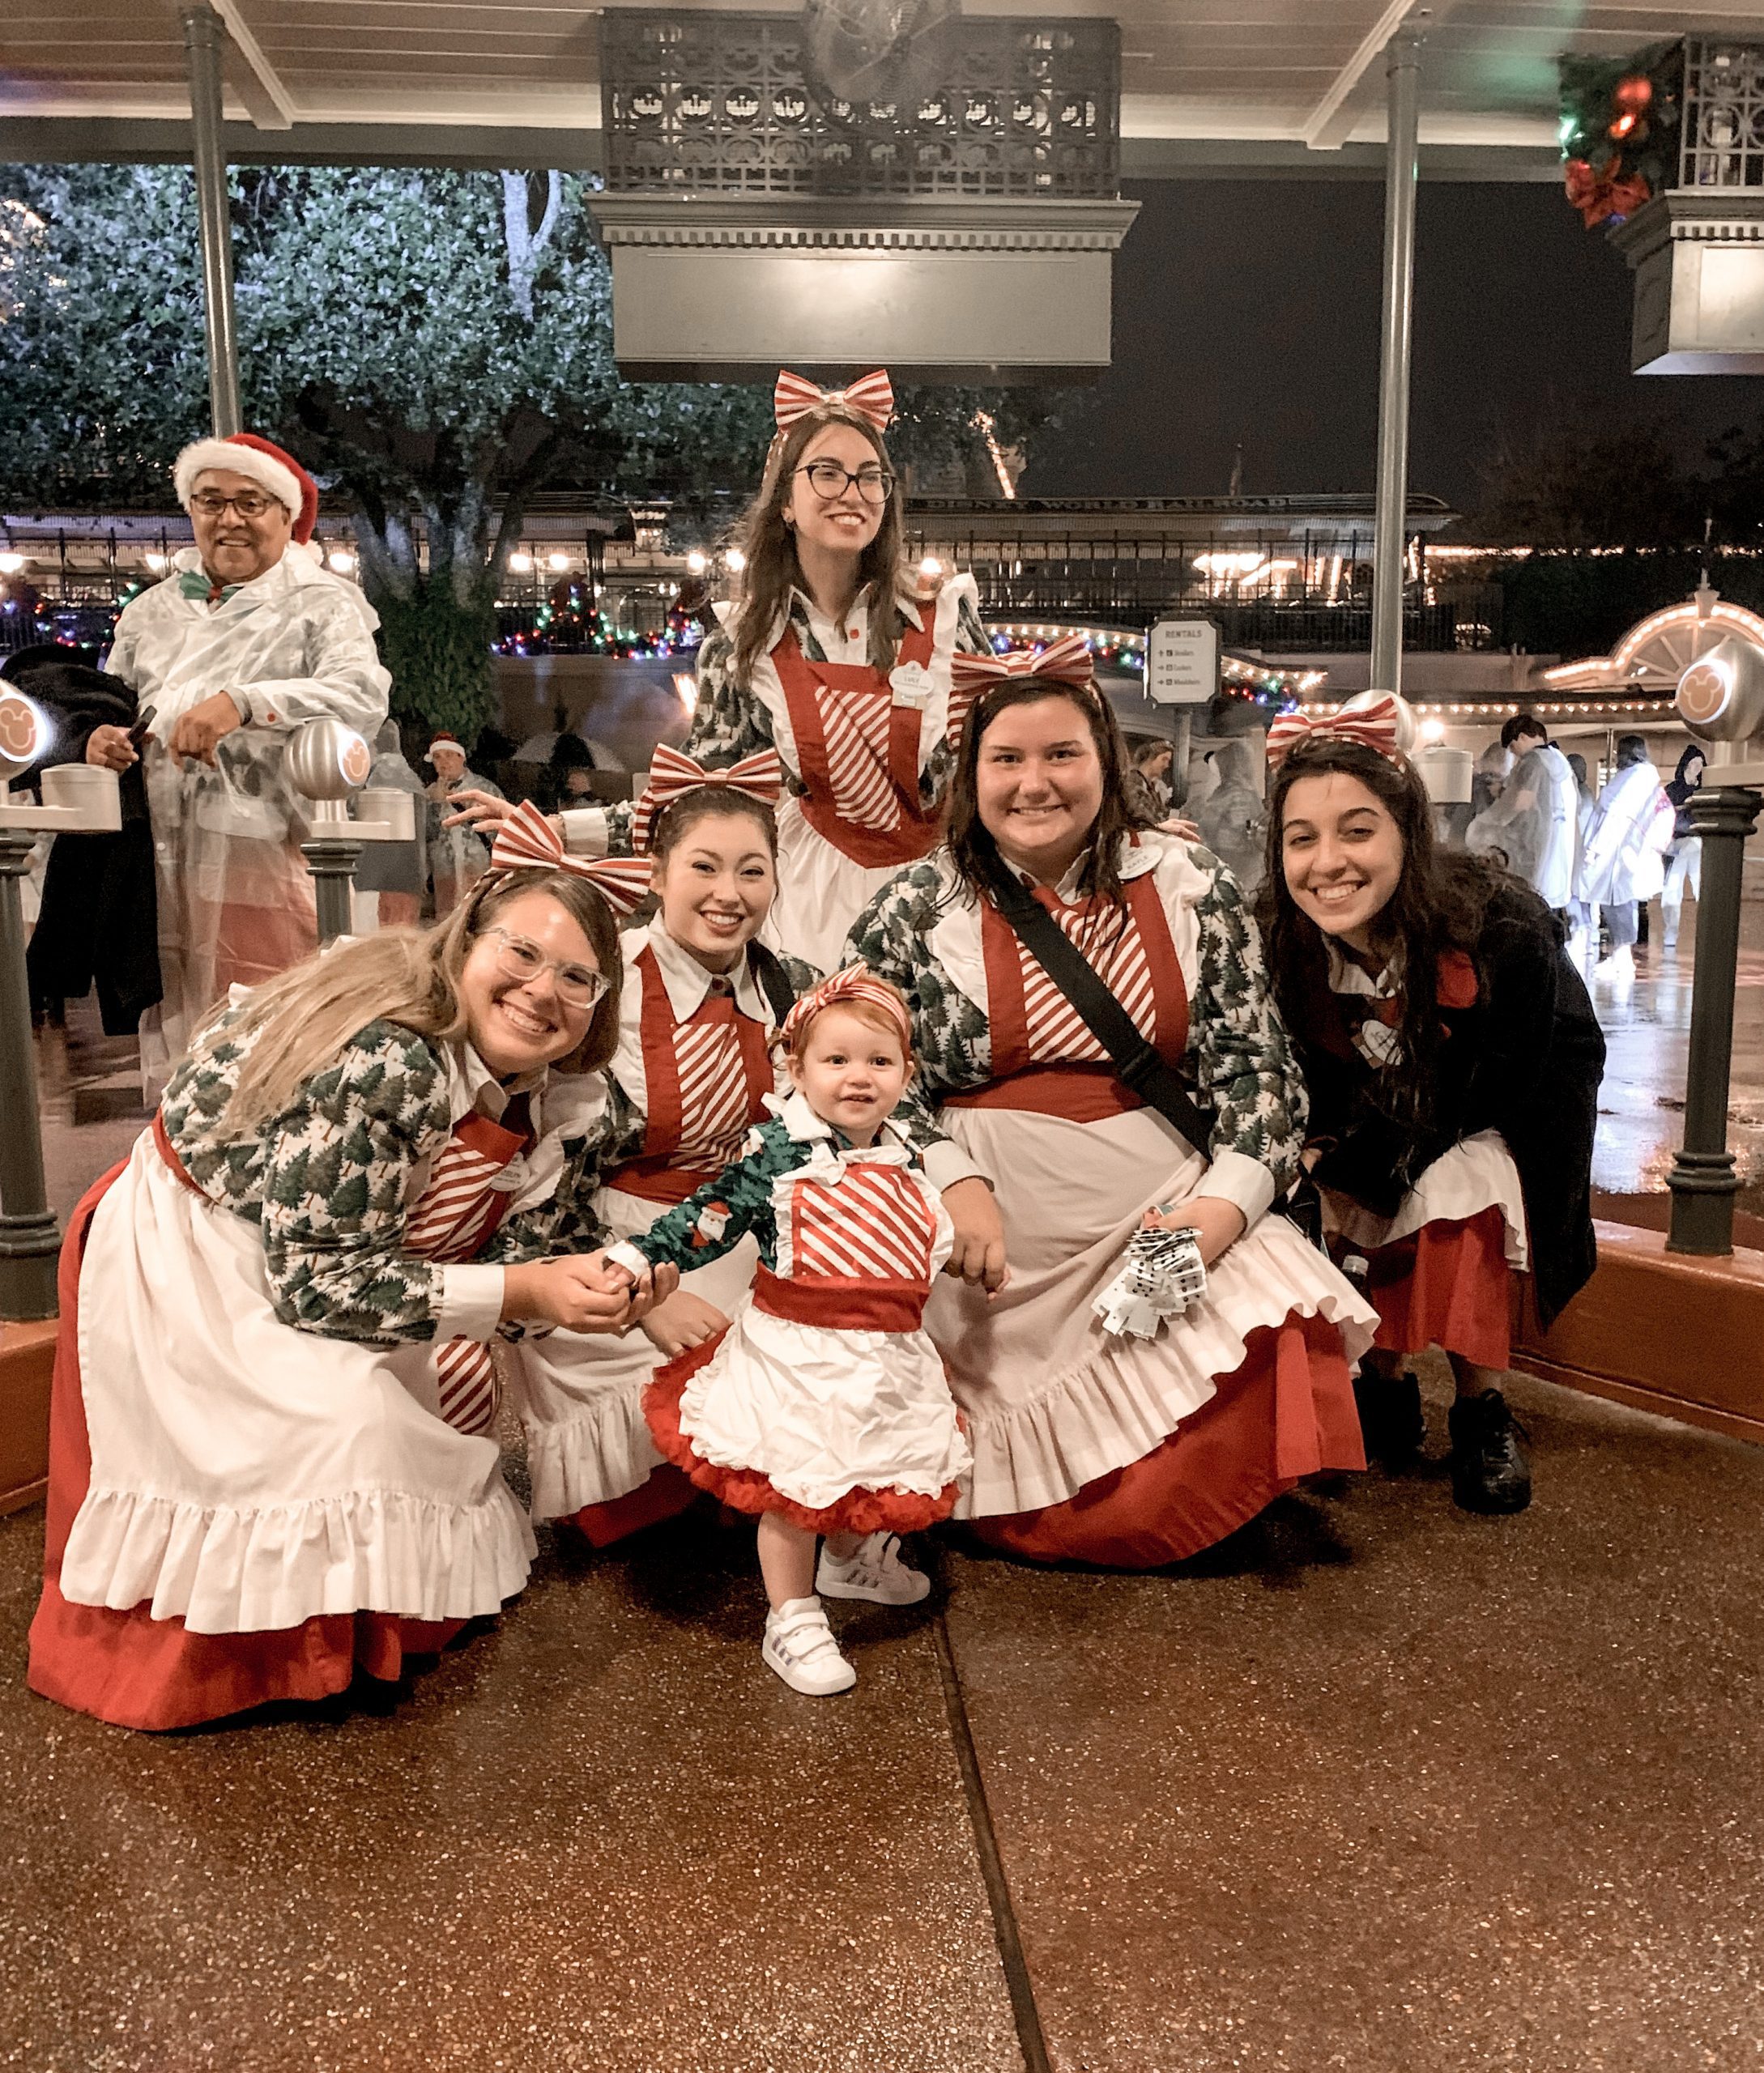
(1137, 1061)
(774, 981)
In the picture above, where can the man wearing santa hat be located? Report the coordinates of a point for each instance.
(458, 857)
(248, 637)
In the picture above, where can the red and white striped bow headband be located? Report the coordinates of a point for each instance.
(856, 983)
(871, 398)
(672, 775)
(527, 840)
(1372, 726)
(1066, 662)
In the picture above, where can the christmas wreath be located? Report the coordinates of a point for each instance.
(1620, 130)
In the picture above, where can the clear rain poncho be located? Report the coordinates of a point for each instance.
(235, 897)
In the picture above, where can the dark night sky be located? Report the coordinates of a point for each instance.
(1249, 311)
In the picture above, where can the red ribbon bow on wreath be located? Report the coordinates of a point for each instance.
(1601, 197)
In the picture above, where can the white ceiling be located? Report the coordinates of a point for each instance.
(1287, 75)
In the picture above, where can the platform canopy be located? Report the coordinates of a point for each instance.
(1291, 86)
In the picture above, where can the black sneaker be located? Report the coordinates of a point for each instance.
(1490, 1470)
(1391, 1421)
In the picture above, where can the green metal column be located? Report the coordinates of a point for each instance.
(29, 1239)
(1402, 164)
(1702, 1180)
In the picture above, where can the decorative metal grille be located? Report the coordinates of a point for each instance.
(717, 105)
(1722, 143)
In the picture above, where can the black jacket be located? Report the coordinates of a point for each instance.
(1525, 1058)
(100, 918)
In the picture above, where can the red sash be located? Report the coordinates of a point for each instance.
(693, 1088)
(857, 751)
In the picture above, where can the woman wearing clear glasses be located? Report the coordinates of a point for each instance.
(837, 656)
(273, 1452)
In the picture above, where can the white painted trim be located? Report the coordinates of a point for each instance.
(276, 110)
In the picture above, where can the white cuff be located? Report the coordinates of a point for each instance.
(471, 1305)
(626, 1255)
(1234, 1176)
(585, 831)
(945, 1163)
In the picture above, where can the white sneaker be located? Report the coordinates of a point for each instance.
(1619, 964)
(800, 1646)
(873, 1570)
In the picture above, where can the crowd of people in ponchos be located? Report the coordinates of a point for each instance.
(813, 1195)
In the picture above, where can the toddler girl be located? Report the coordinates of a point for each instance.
(822, 1408)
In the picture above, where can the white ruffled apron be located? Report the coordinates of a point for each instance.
(1053, 1401)
(858, 735)
(825, 1383)
(1476, 1174)
(246, 1476)
(580, 1395)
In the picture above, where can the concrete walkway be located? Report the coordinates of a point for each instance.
(1376, 1785)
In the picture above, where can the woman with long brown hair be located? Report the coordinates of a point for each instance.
(1089, 1443)
(1453, 1062)
(273, 1455)
(834, 655)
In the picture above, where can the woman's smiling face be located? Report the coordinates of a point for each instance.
(1038, 784)
(516, 1025)
(1341, 854)
(716, 885)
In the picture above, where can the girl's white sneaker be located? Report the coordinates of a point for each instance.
(873, 1570)
(800, 1646)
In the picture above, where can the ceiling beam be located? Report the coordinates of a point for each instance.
(251, 75)
(1330, 123)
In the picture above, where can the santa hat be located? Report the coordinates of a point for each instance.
(273, 470)
(444, 740)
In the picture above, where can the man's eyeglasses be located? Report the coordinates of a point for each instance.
(579, 986)
(828, 480)
(249, 503)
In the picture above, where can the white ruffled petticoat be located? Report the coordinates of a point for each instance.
(580, 1395)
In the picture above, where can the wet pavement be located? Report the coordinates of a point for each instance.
(1378, 1785)
(1375, 1786)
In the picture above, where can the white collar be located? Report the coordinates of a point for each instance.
(687, 981)
(471, 1085)
(1347, 975)
(805, 1127)
(1137, 858)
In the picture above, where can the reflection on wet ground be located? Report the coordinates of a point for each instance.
(1647, 1024)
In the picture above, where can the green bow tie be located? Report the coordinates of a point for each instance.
(194, 583)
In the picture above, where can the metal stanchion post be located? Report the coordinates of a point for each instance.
(29, 1238)
(1390, 523)
(332, 860)
(1702, 1180)
(203, 35)
(327, 764)
(77, 799)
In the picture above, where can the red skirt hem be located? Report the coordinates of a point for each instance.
(665, 1496)
(1447, 1285)
(133, 1670)
(1286, 1413)
(746, 1490)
